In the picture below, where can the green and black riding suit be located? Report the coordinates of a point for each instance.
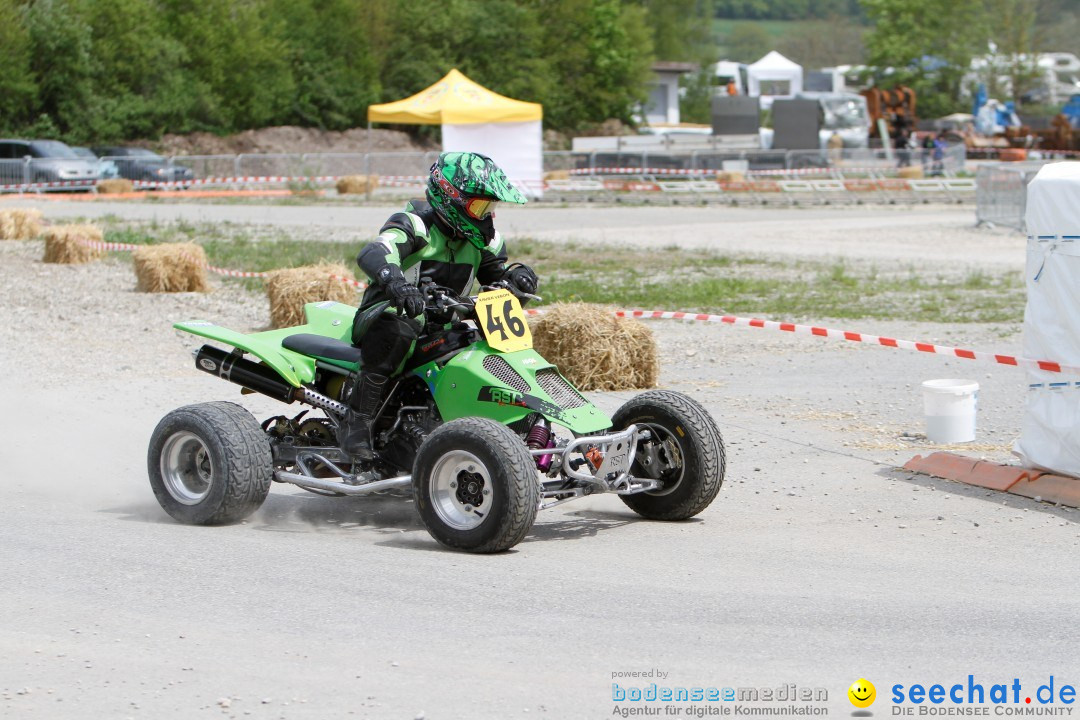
(415, 243)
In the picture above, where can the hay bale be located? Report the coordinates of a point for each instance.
(20, 224)
(289, 290)
(910, 172)
(69, 244)
(557, 175)
(305, 189)
(726, 176)
(170, 267)
(357, 184)
(116, 186)
(596, 350)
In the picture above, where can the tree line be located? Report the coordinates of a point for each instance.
(103, 70)
(112, 70)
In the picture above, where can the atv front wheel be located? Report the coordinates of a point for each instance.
(210, 464)
(475, 486)
(685, 453)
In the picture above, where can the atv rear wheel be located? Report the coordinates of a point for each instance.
(475, 486)
(210, 464)
(685, 453)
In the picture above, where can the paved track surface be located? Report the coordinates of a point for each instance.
(818, 564)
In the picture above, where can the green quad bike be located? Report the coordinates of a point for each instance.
(469, 424)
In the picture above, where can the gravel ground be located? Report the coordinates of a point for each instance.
(869, 396)
(819, 563)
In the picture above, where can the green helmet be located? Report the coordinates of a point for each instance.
(463, 189)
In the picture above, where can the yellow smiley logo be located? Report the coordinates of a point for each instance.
(862, 693)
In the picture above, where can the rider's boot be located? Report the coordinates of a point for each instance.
(364, 400)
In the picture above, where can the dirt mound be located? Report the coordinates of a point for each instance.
(289, 139)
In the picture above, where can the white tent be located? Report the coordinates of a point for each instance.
(476, 119)
(1048, 437)
(774, 76)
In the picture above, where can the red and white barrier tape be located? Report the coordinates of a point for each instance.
(824, 171)
(238, 180)
(698, 172)
(1047, 365)
(1040, 151)
(121, 247)
(56, 184)
(639, 171)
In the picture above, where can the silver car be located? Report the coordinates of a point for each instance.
(45, 161)
(106, 168)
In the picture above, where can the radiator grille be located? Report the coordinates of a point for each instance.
(562, 392)
(506, 374)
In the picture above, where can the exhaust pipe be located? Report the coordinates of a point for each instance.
(260, 379)
(234, 368)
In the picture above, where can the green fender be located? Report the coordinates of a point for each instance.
(481, 382)
(329, 319)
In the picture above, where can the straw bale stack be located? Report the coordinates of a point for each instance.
(910, 172)
(116, 186)
(357, 184)
(68, 244)
(304, 189)
(557, 175)
(289, 290)
(20, 224)
(170, 267)
(732, 176)
(596, 350)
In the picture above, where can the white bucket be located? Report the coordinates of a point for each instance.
(950, 407)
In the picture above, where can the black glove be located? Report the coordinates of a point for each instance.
(522, 277)
(403, 294)
(406, 296)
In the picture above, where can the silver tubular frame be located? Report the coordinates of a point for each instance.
(321, 484)
(613, 475)
(328, 458)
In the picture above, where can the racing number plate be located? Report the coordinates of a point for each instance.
(503, 321)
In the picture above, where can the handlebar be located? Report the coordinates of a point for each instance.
(440, 297)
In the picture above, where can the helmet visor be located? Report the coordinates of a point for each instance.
(480, 208)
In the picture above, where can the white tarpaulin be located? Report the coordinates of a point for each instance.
(773, 76)
(516, 147)
(1050, 433)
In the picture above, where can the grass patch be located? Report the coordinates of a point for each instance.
(662, 278)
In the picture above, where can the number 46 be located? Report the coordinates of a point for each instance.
(513, 323)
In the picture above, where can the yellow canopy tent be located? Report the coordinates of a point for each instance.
(455, 100)
(476, 119)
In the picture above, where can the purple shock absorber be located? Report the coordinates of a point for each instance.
(540, 437)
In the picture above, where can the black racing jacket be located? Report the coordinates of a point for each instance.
(415, 243)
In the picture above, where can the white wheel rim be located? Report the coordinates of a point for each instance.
(461, 490)
(186, 468)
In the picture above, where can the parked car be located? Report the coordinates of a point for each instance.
(144, 165)
(50, 161)
(106, 168)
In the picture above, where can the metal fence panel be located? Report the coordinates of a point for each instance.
(1001, 193)
(210, 166)
(13, 172)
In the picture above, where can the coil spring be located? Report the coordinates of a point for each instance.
(538, 436)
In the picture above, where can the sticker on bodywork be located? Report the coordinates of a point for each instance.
(506, 396)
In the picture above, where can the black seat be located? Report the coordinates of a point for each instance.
(322, 347)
